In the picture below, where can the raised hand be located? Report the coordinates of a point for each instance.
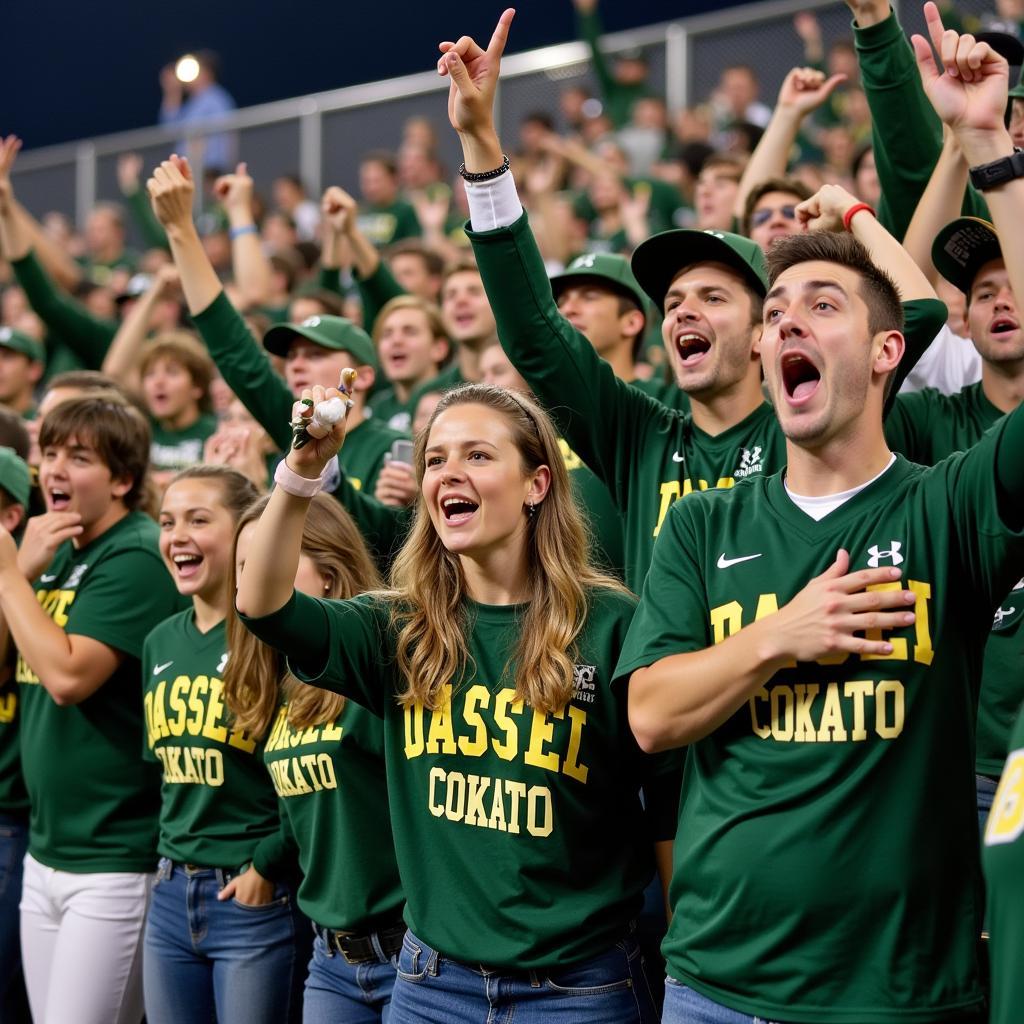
(970, 94)
(43, 535)
(308, 457)
(338, 210)
(235, 190)
(473, 72)
(824, 211)
(8, 152)
(166, 279)
(171, 190)
(806, 89)
(129, 170)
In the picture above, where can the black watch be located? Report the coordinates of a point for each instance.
(998, 172)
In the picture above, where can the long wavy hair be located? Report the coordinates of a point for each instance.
(255, 674)
(429, 608)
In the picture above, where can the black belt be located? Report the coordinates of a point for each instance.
(358, 947)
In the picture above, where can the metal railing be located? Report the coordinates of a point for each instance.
(313, 135)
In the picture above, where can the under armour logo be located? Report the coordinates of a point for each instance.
(583, 261)
(1001, 613)
(877, 554)
(311, 321)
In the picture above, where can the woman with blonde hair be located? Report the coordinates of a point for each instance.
(325, 756)
(512, 775)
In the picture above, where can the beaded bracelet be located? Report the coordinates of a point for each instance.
(484, 175)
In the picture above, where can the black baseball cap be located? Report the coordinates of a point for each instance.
(962, 247)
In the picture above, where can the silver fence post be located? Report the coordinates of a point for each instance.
(677, 67)
(85, 182)
(311, 148)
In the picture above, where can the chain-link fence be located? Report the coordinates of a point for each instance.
(322, 137)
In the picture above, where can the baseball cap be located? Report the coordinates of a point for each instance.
(602, 266)
(963, 246)
(658, 261)
(333, 332)
(14, 476)
(137, 285)
(16, 341)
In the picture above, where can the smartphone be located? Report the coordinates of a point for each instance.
(401, 451)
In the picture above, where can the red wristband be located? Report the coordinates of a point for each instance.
(854, 210)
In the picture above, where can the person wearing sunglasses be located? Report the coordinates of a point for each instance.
(770, 210)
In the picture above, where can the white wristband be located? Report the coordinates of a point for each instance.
(295, 484)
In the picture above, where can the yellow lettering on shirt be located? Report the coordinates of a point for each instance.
(481, 801)
(8, 707)
(1006, 819)
(569, 457)
(283, 736)
(56, 604)
(671, 491)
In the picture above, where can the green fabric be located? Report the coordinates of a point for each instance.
(102, 271)
(94, 804)
(375, 292)
(383, 527)
(329, 278)
(70, 323)
(618, 98)
(334, 798)
(179, 449)
(927, 426)
(383, 225)
(245, 367)
(668, 392)
(1003, 858)
(647, 454)
(906, 133)
(141, 210)
(216, 802)
(13, 796)
(387, 409)
(533, 820)
(826, 854)
(448, 378)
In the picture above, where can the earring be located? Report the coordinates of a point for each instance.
(531, 509)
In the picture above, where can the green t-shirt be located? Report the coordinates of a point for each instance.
(13, 797)
(364, 451)
(826, 856)
(646, 453)
(387, 409)
(927, 426)
(334, 803)
(94, 803)
(216, 803)
(1003, 858)
(383, 225)
(520, 836)
(179, 449)
(450, 377)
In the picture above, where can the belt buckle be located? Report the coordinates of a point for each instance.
(341, 944)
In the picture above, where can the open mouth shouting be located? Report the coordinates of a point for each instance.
(58, 500)
(800, 377)
(186, 564)
(457, 509)
(691, 346)
(1002, 325)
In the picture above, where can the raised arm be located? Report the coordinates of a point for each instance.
(802, 92)
(250, 266)
(122, 359)
(938, 206)
(129, 169)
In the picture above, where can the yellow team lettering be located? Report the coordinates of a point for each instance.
(463, 798)
(1006, 819)
(671, 491)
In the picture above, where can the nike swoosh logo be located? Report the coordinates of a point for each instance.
(676, 457)
(163, 667)
(47, 579)
(724, 563)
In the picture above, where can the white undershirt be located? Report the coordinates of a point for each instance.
(818, 508)
(494, 203)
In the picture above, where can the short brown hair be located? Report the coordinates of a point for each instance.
(729, 162)
(433, 263)
(185, 349)
(792, 186)
(428, 309)
(463, 265)
(113, 427)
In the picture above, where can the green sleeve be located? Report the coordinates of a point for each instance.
(590, 31)
(153, 234)
(408, 224)
(922, 321)
(383, 527)
(1009, 472)
(375, 292)
(337, 645)
(329, 279)
(277, 854)
(246, 369)
(909, 426)
(87, 336)
(121, 599)
(604, 420)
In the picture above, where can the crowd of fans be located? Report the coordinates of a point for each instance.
(195, 686)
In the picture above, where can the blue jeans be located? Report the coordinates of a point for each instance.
(337, 991)
(985, 788)
(685, 1006)
(13, 843)
(207, 960)
(607, 989)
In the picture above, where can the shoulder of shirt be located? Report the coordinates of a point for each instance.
(172, 624)
(604, 599)
(138, 536)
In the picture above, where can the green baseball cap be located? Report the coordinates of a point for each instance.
(14, 476)
(962, 247)
(659, 260)
(601, 266)
(333, 332)
(16, 341)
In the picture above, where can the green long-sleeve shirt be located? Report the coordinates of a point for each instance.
(76, 338)
(618, 97)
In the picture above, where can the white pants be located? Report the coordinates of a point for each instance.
(81, 944)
